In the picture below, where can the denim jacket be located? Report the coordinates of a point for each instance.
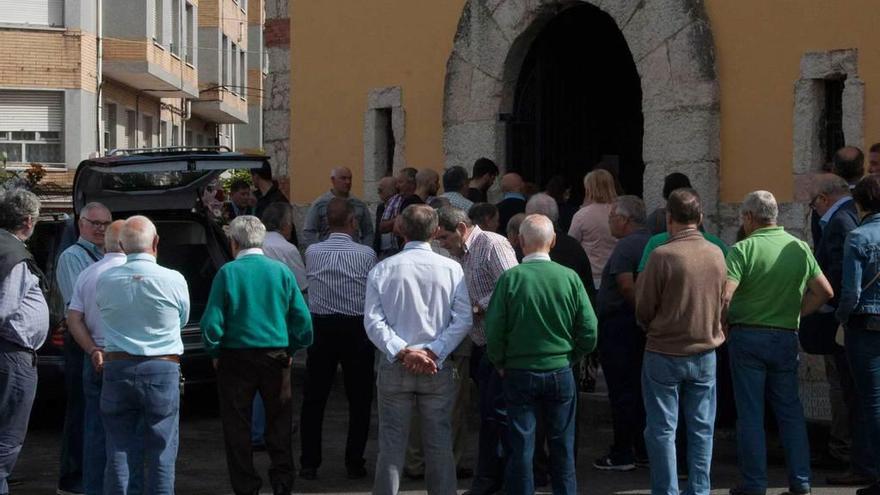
(861, 262)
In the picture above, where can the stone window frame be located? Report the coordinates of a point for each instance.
(385, 98)
(809, 102)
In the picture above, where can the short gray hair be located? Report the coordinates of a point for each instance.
(762, 205)
(94, 205)
(631, 207)
(536, 230)
(449, 217)
(545, 205)
(16, 206)
(514, 223)
(832, 185)
(277, 215)
(137, 234)
(418, 222)
(247, 231)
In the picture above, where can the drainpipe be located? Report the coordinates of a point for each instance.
(99, 73)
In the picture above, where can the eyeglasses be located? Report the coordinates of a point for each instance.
(96, 224)
(813, 201)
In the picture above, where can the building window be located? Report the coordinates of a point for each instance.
(175, 27)
(130, 129)
(831, 136)
(32, 12)
(200, 140)
(175, 135)
(23, 147)
(109, 126)
(233, 62)
(188, 138)
(242, 64)
(158, 26)
(163, 134)
(224, 61)
(189, 29)
(148, 132)
(384, 137)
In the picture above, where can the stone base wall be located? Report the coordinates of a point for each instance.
(276, 101)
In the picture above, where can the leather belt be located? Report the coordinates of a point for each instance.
(119, 356)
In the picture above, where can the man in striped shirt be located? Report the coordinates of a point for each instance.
(337, 270)
(484, 256)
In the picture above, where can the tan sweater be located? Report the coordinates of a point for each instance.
(678, 296)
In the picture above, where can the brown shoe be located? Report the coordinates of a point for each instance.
(849, 478)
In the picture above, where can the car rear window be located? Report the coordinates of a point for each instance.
(150, 181)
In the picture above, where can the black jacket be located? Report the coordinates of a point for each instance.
(829, 247)
(506, 210)
(273, 195)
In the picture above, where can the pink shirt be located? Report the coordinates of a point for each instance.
(590, 227)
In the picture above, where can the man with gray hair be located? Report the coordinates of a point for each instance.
(848, 441)
(455, 186)
(415, 339)
(316, 228)
(85, 325)
(94, 218)
(772, 280)
(254, 321)
(621, 340)
(24, 323)
(538, 323)
(278, 219)
(143, 307)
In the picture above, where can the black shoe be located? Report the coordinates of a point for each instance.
(308, 473)
(793, 492)
(356, 472)
(740, 491)
(869, 490)
(464, 473)
(642, 461)
(258, 447)
(413, 476)
(280, 490)
(849, 478)
(10, 481)
(608, 463)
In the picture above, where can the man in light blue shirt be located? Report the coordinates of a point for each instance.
(85, 325)
(417, 311)
(143, 307)
(94, 219)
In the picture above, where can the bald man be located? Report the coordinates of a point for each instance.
(514, 200)
(316, 229)
(86, 326)
(427, 186)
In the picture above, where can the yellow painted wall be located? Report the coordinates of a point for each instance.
(759, 44)
(342, 49)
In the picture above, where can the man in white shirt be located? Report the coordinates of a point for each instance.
(87, 328)
(278, 219)
(417, 311)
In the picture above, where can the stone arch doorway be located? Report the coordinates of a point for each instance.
(671, 46)
(577, 101)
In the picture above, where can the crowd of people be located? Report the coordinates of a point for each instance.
(433, 291)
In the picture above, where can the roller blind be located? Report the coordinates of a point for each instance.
(31, 111)
(35, 12)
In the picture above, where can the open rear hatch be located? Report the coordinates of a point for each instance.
(168, 181)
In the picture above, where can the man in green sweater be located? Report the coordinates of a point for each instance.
(539, 322)
(254, 321)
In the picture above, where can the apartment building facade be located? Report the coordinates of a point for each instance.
(83, 77)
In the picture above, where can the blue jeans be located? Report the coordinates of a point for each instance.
(764, 361)
(400, 390)
(18, 386)
(95, 441)
(492, 449)
(863, 350)
(553, 394)
(664, 379)
(148, 393)
(72, 436)
(258, 421)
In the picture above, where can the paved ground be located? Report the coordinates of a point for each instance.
(201, 464)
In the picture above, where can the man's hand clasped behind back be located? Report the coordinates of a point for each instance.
(419, 361)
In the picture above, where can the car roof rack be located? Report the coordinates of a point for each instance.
(168, 149)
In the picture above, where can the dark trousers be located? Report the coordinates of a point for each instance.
(621, 347)
(74, 418)
(338, 340)
(493, 447)
(241, 373)
(18, 386)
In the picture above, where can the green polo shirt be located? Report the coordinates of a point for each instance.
(772, 269)
(661, 238)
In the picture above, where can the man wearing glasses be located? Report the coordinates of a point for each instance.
(88, 249)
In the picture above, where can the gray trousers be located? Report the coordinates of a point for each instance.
(398, 391)
(18, 386)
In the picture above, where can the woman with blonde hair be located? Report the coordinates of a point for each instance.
(590, 224)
